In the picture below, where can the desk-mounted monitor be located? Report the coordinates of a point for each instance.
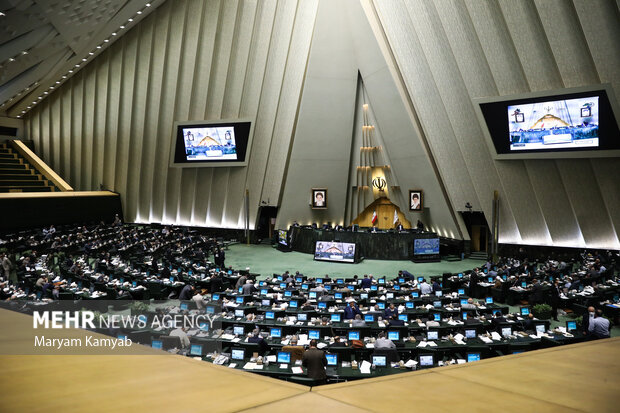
(218, 143)
(237, 354)
(473, 357)
(195, 350)
(379, 361)
(564, 123)
(332, 359)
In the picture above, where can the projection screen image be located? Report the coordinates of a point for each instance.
(559, 124)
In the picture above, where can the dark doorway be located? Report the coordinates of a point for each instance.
(266, 222)
(478, 230)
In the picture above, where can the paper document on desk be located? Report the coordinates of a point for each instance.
(236, 340)
(370, 345)
(321, 345)
(461, 342)
(249, 366)
(411, 363)
(461, 361)
(227, 336)
(297, 370)
(495, 336)
(232, 365)
(485, 339)
(365, 367)
(272, 358)
(431, 344)
(459, 337)
(422, 344)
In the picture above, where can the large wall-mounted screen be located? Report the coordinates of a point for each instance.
(576, 122)
(557, 124)
(334, 251)
(426, 246)
(283, 237)
(208, 144)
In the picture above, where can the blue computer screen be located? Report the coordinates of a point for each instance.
(473, 357)
(354, 335)
(394, 335)
(157, 344)
(195, 350)
(276, 332)
(284, 357)
(336, 318)
(332, 359)
(314, 334)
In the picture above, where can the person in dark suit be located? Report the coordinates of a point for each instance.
(537, 293)
(390, 311)
(394, 321)
(473, 283)
(555, 298)
(187, 292)
(351, 310)
(585, 320)
(436, 286)
(497, 321)
(366, 282)
(216, 284)
(315, 362)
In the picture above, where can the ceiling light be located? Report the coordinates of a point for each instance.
(19, 116)
(84, 59)
(24, 52)
(106, 40)
(138, 12)
(71, 71)
(122, 27)
(11, 59)
(28, 107)
(90, 53)
(46, 93)
(23, 111)
(2, 14)
(114, 34)
(98, 47)
(64, 76)
(57, 82)
(130, 20)
(77, 65)
(40, 97)
(148, 4)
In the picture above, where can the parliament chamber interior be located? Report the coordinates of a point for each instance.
(295, 205)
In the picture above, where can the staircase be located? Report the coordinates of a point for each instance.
(482, 255)
(17, 175)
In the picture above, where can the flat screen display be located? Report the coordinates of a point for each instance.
(570, 120)
(557, 124)
(394, 335)
(157, 344)
(470, 333)
(284, 357)
(238, 313)
(302, 317)
(525, 311)
(354, 335)
(269, 315)
(238, 330)
(293, 304)
(238, 354)
(571, 325)
(426, 246)
(506, 331)
(369, 318)
(335, 318)
(314, 335)
(195, 350)
(334, 251)
(276, 332)
(208, 144)
(283, 238)
(379, 361)
(426, 360)
(473, 357)
(540, 328)
(332, 359)
(433, 335)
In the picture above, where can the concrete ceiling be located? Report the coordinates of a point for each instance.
(44, 42)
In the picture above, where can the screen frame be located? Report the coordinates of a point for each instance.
(208, 123)
(551, 94)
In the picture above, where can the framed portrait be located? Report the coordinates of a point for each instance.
(519, 117)
(319, 198)
(415, 200)
(586, 112)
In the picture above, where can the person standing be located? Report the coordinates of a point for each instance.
(314, 361)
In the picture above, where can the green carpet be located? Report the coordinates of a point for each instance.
(266, 260)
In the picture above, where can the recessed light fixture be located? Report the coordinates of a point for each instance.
(148, 4)
(138, 12)
(84, 59)
(2, 14)
(106, 40)
(113, 33)
(122, 27)
(90, 53)
(11, 59)
(130, 20)
(98, 47)
(24, 52)
(70, 70)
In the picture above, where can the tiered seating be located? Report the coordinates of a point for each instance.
(17, 175)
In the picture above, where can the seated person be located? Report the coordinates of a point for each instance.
(358, 321)
(394, 321)
(470, 305)
(182, 334)
(351, 311)
(307, 306)
(598, 326)
(390, 311)
(383, 342)
(528, 323)
(255, 337)
(497, 321)
(296, 351)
